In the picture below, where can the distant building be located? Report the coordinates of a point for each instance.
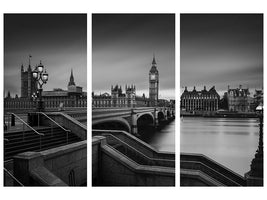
(117, 98)
(256, 100)
(102, 100)
(238, 99)
(72, 97)
(142, 101)
(129, 99)
(28, 84)
(120, 99)
(258, 97)
(154, 83)
(203, 100)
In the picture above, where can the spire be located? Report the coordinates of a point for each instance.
(29, 67)
(154, 61)
(22, 69)
(71, 79)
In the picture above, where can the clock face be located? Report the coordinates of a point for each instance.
(153, 77)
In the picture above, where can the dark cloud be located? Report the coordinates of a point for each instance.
(59, 40)
(221, 50)
(123, 47)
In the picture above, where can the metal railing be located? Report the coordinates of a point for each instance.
(17, 182)
(31, 128)
(52, 128)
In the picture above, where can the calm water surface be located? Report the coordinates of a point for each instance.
(163, 139)
(231, 142)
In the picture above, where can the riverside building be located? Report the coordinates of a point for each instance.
(200, 101)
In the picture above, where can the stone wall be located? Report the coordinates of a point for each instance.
(111, 168)
(63, 161)
(61, 166)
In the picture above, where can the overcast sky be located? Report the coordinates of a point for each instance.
(221, 50)
(58, 40)
(123, 47)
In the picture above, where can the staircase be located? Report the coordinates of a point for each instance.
(196, 168)
(135, 150)
(16, 142)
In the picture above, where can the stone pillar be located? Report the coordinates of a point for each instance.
(156, 121)
(165, 114)
(24, 163)
(134, 130)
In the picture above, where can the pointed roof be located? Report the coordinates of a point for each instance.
(154, 67)
(71, 82)
(154, 61)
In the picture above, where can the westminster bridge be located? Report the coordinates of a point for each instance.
(129, 119)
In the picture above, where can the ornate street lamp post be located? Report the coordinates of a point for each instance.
(255, 175)
(41, 78)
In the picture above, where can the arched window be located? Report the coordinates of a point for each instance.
(72, 178)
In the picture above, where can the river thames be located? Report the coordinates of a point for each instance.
(162, 139)
(231, 142)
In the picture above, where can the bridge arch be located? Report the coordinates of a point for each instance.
(146, 113)
(145, 119)
(117, 123)
(161, 116)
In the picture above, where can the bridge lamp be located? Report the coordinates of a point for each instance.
(35, 73)
(41, 78)
(40, 67)
(45, 77)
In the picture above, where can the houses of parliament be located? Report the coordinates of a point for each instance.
(129, 99)
(72, 97)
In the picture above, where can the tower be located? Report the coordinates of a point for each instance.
(28, 84)
(115, 93)
(153, 83)
(24, 82)
(130, 95)
(71, 82)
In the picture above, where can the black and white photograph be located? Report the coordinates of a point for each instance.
(133, 99)
(45, 100)
(221, 99)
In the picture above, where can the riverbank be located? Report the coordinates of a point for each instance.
(220, 115)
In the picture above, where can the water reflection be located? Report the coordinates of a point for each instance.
(162, 139)
(231, 142)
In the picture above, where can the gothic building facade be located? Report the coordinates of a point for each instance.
(117, 97)
(28, 84)
(238, 99)
(129, 99)
(55, 99)
(200, 101)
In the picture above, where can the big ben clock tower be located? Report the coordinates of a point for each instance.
(153, 84)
